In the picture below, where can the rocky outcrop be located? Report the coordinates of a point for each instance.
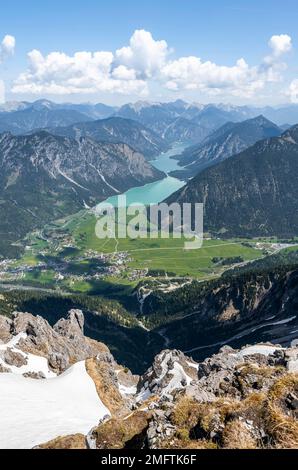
(238, 398)
(129, 432)
(72, 325)
(103, 371)
(170, 371)
(62, 345)
(235, 399)
(14, 358)
(5, 327)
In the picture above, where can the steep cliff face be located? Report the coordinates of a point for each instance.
(44, 177)
(252, 194)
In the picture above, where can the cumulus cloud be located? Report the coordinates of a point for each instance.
(84, 72)
(280, 44)
(130, 70)
(7, 47)
(191, 73)
(145, 55)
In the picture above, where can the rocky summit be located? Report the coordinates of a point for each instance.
(69, 392)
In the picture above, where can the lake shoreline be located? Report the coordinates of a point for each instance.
(158, 191)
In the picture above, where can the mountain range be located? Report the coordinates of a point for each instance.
(254, 193)
(93, 111)
(25, 120)
(194, 122)
(181, 121)
(228, 140)
(173, 121)
(115, 130)
(44, 177)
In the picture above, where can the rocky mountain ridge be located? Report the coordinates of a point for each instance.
(253, 193)
(228, 140)
(15, 111)
(235, 399)
(255, 304)
(116, 130)
(27, 119)
(181, 121)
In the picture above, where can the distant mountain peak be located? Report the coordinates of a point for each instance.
(253, 193)
(228, 140)
(291, 135)
(116, 129)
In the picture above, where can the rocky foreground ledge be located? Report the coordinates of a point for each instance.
(60, 389)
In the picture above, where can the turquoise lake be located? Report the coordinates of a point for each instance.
(153, 193)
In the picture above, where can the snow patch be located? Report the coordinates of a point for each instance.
(263, 349)
(191, 364)
(124, 390)
(34, 363)
(36, 411)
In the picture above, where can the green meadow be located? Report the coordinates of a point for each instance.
(164, 254)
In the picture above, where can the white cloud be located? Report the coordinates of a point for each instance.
(145, 55)
(84, 72)
(273, 64)
(145, 60)
(293, 91)
(7, 47)
(126, 71)
(280, 44)
(191, 73)
(123, 73)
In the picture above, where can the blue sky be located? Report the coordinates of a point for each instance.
(218, 32)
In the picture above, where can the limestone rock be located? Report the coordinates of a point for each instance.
(13, 358)
(62, 345)
(5, 329)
